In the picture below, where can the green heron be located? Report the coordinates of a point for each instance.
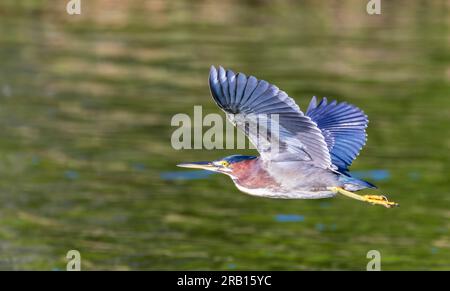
(307, 157)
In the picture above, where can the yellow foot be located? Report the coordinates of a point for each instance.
(380, 200)
(373, 199)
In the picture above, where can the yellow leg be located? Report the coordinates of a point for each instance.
(373, 199)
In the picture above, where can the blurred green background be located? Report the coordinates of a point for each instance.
(86, 161)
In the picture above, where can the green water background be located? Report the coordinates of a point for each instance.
(85, 109)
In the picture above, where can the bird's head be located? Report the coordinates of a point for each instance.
(226, 165)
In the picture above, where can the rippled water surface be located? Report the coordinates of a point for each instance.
(85, 155)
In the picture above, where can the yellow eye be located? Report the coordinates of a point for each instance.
(224, 163)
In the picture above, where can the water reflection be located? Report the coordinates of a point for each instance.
(375, 175)
(289, 218)
(186, 175)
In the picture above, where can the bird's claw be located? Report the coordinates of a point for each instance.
(380, 200)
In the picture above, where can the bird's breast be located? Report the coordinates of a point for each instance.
(252, 174)
(254, 178)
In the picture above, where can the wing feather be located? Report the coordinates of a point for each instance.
(251, 103)
(344, 127)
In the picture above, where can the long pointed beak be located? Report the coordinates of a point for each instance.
(199, 165)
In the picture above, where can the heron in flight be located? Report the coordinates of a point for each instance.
(306, 157)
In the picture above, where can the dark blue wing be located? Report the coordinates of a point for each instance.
(244, 98)
(344, 127)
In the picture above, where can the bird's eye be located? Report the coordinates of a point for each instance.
(224, 163)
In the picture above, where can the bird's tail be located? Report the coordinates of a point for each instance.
(354, 184)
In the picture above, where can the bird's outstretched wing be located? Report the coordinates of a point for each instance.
(344, 127)
(252, 105)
